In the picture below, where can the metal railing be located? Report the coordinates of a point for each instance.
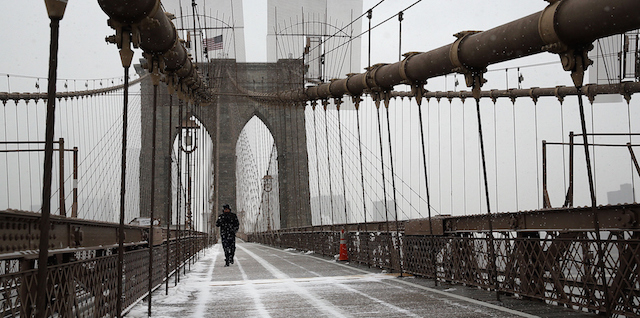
(559, 264)
(82, 266)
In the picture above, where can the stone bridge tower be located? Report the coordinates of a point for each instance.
(224, 118)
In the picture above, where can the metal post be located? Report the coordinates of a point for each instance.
(156, 79)
(123, 173)
(188, 221)
(569, 200)
(179, 197)
(168, 218)
(74, 206)
(126, 55)
(56, 12)
(63, 211)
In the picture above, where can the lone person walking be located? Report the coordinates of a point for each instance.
(228, 224)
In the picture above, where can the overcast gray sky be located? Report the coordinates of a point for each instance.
(85, 55)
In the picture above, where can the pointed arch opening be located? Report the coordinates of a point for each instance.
(192, 172)
(257, 187)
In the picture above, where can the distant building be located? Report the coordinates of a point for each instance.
(378, 212)
(624, 195)
(321, 206)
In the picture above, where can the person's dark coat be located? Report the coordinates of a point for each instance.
(228, 224)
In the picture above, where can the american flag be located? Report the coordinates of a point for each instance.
(214, 43)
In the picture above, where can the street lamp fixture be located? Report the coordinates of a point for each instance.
(267, 186)
(190, 142)
(188, 145)
(55, 8)
(267, 183)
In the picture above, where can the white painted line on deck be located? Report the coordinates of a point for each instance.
(204, 293)
(253, 292)
(432, 290)
(353, 290)
(470, 300)
(320, 279)
(315, 301)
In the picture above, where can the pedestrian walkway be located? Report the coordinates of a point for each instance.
(270, 282)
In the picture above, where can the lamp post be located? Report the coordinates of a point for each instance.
(267, 186)
(188, 145)
(55, 10)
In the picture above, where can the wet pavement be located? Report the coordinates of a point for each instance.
(270, 282)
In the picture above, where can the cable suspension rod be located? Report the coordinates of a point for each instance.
(626, 89)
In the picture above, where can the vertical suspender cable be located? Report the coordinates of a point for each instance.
(155, 79)
(315, 139)
(492, 270)
(364, 205)
(426, 182)
(195, 43)
(326, 132)
(43, 255)
(633, 180)
(515, 155)
(6, 160)
(324, 45)
(369, 15)
(384, 185)
(344, 187)
(535, 108)
(451, 154)
(400, 14)
(393, 183)
(168, 217)
(593, 149)
(495, 147)
(564, 171)
(439, 157)
(592, 191)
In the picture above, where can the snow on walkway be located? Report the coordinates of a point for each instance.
(269, 282)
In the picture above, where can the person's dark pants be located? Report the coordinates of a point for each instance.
(229, 246)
